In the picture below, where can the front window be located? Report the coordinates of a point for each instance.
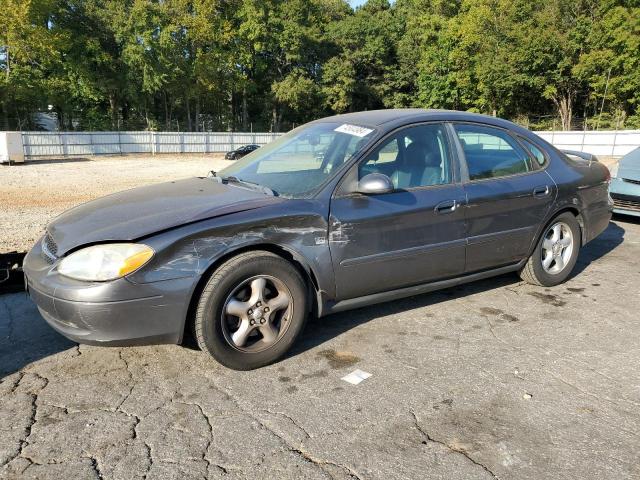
(298, 163)
(415, 157)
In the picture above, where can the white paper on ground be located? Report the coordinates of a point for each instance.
(356, 377)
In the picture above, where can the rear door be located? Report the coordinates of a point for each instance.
(508, 196)
(410, 236)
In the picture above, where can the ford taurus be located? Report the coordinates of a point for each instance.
(339, 213)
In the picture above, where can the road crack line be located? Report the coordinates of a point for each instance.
(307, 456)
(32, 416)
(210, 441)
(96, 466)
(449, 447)
(282, 414)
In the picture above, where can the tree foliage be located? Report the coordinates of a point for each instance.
(271, 64)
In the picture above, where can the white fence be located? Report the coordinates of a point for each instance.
(615, 143)
(63, 144)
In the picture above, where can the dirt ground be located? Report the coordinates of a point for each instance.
(33, 193)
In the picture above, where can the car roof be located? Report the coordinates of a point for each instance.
(398, 116)
(377, 117)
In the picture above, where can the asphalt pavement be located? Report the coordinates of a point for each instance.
(495, 379)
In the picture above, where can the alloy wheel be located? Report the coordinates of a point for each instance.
(557, 247)
(257, 313)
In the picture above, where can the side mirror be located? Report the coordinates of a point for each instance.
(375, 184)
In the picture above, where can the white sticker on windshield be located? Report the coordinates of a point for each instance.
(354, 130)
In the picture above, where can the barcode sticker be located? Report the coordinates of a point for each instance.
(353, 130)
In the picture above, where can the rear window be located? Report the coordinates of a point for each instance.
(491, 152)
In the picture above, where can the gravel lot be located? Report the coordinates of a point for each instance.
(496, 379)
(33, 193)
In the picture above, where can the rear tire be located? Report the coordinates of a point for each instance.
(251, 310)
(555, 254)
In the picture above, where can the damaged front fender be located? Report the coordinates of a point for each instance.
(192, 250)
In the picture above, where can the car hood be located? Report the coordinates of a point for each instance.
(629, 166)
(142, 211)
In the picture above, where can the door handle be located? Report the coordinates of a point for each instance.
(448, 206)
(541, 191)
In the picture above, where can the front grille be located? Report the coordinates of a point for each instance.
(628, 180)
(626, 204)
(49, 249)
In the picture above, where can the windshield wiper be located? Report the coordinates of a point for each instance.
(252, 185)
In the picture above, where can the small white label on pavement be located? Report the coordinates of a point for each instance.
(356, 377)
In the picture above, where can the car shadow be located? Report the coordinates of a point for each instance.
(24, 336)
(321, 330)
(600, 246)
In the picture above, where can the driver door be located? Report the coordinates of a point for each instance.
(413, 235)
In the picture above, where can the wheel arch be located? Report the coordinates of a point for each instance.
(288, 254)
(559, 211)
(576, 213)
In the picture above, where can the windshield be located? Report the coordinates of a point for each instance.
(298, 163)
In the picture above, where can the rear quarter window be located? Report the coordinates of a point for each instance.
(535, 151)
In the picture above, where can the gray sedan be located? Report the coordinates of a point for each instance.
(339, 213)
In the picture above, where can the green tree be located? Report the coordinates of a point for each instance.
(270, 64)
(611, 65)
(93, 63)
(29, 52)
(360, 75)
(431, 69)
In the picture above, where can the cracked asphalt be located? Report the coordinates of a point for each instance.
(495, 379)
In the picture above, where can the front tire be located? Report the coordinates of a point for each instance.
(555, 254)
(251, 310)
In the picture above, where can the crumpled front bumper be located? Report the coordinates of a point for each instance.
(117, 312)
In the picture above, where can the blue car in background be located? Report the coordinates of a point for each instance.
(625, 184)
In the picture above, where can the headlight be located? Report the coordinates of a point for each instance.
(105, 262)
(614, 171)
